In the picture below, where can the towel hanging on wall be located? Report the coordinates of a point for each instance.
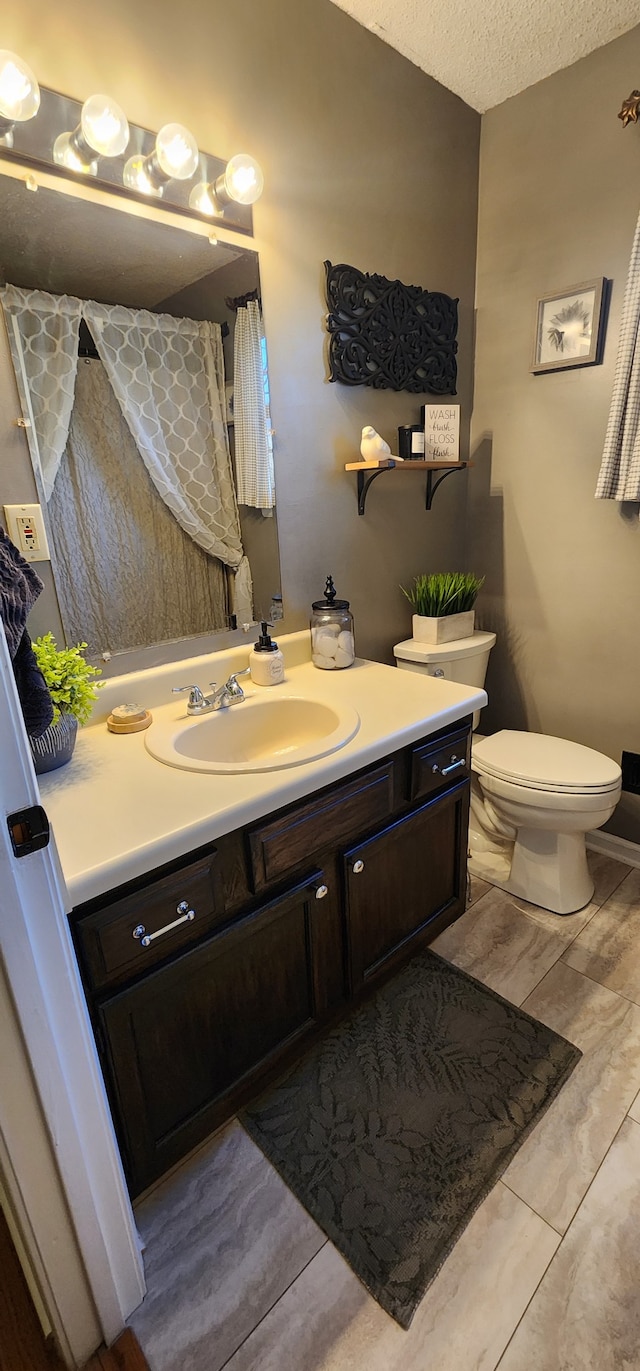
(619, 477)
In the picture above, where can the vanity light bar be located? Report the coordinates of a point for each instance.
(78, 141)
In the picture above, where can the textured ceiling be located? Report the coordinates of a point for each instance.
(487, 50)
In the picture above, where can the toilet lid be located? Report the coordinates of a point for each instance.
(413, 651)
(544, 763)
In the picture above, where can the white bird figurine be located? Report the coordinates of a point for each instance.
(372, 447)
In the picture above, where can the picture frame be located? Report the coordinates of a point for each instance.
(569, 327)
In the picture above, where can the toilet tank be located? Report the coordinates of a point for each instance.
(464, 660)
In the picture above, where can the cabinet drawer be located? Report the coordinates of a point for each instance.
(111, 939)
(436, 764)
(295, 839)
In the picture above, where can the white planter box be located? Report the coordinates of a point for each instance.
(444, 630)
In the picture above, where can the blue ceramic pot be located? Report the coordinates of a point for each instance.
(55, 746)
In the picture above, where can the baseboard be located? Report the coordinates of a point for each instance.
(613, 846)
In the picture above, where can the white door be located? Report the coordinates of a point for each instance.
(58, 1152)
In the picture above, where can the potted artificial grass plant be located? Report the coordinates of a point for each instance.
(443, 605)
(73, 689)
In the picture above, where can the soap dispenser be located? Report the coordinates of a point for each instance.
(266, 660)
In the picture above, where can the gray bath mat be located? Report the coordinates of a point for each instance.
(395, 1127)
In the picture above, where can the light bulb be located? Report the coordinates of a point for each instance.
(104, 126)
(176, 152)
(19, 90)
(203, 200)
(19, 95)
(136, 177)
(103, 131)
(242, 180)
(174, 158)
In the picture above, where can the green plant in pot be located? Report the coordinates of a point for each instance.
(443, 604)
(73, 688)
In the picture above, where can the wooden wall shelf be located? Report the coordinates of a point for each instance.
(368, 471)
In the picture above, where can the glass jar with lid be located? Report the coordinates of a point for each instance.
(332, 641)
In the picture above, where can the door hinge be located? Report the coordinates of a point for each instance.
(29, 830)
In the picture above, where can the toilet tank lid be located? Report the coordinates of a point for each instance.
(544, 762)
(413, 651)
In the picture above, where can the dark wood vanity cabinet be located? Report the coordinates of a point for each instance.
(293, 917)
(405, 884)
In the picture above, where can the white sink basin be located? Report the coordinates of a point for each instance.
(259, 734)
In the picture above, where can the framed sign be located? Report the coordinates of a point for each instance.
(442, 433)
(569, 328)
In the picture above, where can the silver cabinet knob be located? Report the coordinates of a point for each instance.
(438, 672)
(321, 891)
(357, 867)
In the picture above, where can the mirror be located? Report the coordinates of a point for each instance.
(127, 573)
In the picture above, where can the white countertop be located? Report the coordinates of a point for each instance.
(117, 813)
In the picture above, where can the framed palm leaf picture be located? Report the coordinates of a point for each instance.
(569, 328)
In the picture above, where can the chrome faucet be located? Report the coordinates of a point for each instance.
(231, 693)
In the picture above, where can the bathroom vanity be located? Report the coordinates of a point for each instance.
(213, 950)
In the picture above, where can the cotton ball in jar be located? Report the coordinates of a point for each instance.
(346, 643)
(324, 644)
(343, 658)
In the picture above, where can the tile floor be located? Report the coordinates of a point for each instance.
(547, 1274)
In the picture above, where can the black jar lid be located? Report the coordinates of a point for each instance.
(330, 601)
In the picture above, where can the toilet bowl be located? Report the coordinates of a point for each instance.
(533, 797)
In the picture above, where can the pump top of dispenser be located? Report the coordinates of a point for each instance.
(265, 643)
(330, 601)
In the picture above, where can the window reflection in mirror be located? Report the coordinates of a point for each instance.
(134, 548)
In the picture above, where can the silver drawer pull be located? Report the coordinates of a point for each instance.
(321, 891)
(145, 939)
(357, 867)
(455, 766)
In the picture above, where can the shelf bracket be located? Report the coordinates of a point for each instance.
(432, 485)
(365, 479)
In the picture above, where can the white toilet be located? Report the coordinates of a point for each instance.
(533, 798)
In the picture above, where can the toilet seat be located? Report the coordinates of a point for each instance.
(537, 762)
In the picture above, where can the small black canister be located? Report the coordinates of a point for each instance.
(411, 442)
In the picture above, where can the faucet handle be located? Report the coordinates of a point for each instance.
(233, 680)
(196, 698)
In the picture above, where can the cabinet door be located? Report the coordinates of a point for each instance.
(406, 884)
(182, 1040)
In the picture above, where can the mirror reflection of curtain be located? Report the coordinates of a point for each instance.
(168, 377)
(252, 419)
(115, 595)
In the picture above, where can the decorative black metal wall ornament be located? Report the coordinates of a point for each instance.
(388, 335)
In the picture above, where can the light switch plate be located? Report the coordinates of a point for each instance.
(25, 527)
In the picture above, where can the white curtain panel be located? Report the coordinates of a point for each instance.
(43, 336)
(252, 419)
(619, 477)
(156, 365)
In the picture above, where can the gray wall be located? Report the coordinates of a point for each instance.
(559, 199)
(367, 161)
